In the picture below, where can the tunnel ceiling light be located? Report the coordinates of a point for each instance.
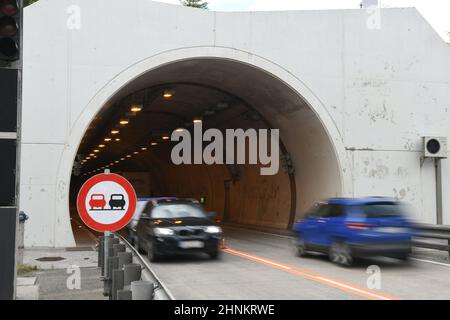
(136, 152)
(117, 161)
(117, 139)
(96, 151)
(107, 139)
(101, 145)
(122, 159)
(136, 108)
(128, 155)
(165, 137)
(124, 122)
(180, 129)
(197, 120)
(88, 158)
(115, 131)
(91, 154)
(168, 94)
(144, 149)
(154, 143)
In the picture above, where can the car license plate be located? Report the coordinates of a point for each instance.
(391, 230)
(191, 244)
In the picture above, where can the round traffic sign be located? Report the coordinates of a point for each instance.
(106, 202)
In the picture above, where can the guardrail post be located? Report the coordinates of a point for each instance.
(118, 248)
(112, 265)
(124, 258)
(109, 242)
(132, 272)
(449, 249)
(142, 290)
(123, 294)
(101, 255)
(117, 283)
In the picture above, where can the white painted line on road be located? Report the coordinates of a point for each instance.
(433, 262)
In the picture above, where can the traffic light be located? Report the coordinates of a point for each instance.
(9, 30)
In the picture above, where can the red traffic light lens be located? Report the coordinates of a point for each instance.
(9, 7)
(8, 27)
(8, 47)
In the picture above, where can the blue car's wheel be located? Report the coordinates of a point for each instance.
(340, 254)
(299, 247)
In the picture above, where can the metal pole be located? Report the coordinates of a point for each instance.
(439, 191)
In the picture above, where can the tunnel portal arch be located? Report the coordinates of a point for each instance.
(308, 132)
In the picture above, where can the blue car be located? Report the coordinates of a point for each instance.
(346, 229)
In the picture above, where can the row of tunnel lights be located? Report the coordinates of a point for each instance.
(168, 94)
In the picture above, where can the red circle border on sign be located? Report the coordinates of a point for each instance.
(81, 202)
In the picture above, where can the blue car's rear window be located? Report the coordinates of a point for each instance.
(380, 210)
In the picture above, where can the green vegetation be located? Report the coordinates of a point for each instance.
(23, 269)
(28, 2)
(195, 4)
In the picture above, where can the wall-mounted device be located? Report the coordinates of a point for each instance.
(435, 147)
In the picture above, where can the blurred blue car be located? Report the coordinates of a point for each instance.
(346, 229)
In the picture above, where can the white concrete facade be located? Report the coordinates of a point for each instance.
(375, 91)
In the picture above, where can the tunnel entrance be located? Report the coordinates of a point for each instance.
(130, 136)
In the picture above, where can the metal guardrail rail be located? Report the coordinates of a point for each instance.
(437, 232)
(161, 291)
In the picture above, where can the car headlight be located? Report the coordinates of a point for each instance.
(213, 229)
(163, 232)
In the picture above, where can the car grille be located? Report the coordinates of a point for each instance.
(185, 232)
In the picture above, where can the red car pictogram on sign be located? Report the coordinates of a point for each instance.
(97, 201)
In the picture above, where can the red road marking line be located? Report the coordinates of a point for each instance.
(338, 284)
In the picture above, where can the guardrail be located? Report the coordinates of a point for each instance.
(161, 291)
(428, 231)
(126, 274)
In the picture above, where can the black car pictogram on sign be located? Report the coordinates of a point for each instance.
(117, 201)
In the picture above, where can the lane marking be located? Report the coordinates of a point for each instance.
(433, 262)
(307, 274)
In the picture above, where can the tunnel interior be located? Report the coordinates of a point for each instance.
(130, 136)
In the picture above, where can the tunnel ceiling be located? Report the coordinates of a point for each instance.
(224, 94)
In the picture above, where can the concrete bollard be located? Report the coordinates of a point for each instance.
(123, 294)
(112, 263)
(109, 242)
(142, 290)
(124, 258)
(118, 248)
(132, 272)
(117, 283)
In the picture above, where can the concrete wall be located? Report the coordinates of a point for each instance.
(376, 92)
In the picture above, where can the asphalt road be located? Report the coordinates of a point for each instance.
(257, 265)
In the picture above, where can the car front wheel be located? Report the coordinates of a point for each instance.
(151, 255)
(340, 254)
(299, 247)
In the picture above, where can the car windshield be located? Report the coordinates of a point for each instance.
(173, 211)
(381, 210)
